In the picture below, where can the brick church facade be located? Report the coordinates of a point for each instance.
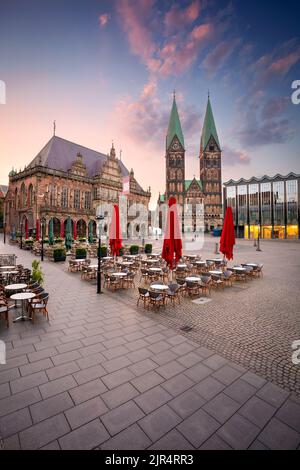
(68, 180)
(206, 190)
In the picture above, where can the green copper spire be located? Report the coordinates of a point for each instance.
(209, 127)
(174, 126)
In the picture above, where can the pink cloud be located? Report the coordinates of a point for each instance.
(103, 19)
(235, 157)
(284, 64)
(219, 55)
(176, 17)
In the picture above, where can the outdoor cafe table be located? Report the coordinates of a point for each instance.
(93, 266)
(15, 287)
(215, 260)
(7, 267)
(161, 287)
(252, 265)
(238, 268)
(106, 257)
(190, 256)
(22, 296)
(151, 261)
(155, 270)
(216, 273)
(193, 279)
(182, 265)
(127, 263)
(201, 263)
(157, 255)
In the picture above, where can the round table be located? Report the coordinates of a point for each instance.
(216, 273)
(155, 270)
(151, 261)
(190, 256)
(156, 254)
(7, 267)
(22, 296)
(159, 287)
(106, 257)
(252, 265)
(181, 265)
(15, 287)
(201, 263)
(93, 266)
(127, 263)
(79, 260)
(193, 279)
(238, 268)
(117, 274)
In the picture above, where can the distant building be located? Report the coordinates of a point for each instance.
(67, 179)
(268, 206)
(208, 188)
(3, 191)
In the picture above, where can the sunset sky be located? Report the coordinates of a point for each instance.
(106, 69)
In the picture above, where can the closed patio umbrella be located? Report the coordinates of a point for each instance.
(115, 238)
(91, 235)
(172, 246)
(227, 238)
(74, 230)
(68, 234)
(37, 230)
(51, 234)
(62, 229)
(26, 229)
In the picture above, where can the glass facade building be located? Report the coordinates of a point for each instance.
(267, 207)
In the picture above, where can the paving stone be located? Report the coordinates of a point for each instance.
(29, 381)
(221, 407)
(253, 379)
(178, 384)
(86, 437)
(85, 412)
(115, 352)
(183, 348)
(215, 443)
(137, 344)
(289, 413)
(190, 359)
(19, 401)
(198, 427)
(117, 378)
(215, 361)
(57, 386)
(173, 440)
(66, 357)
(273, 394)
(62, 370)
(142, 367)
(278, 436)
(170, 369)
(119, 395)
(87, 390)
(139, 355)
(159, 422)
(209, 388)
(176, 339)
(4, 390)
(204, 352)
(153, 399)
(238, 432)
(198, 372)
(37, 366)
(50, 407)
(159, 347)
(8, 375)
(44, 432)
(12, 443)
(19, 351)
(15, 422)
(11, 364)
(121, 417)
(54, 445)
(70, 346)
(186, 403)
(116, 364)
(257, 445)
(42, 354)
(89, 361)
(132, 438)
(257, 411)
(240, 391)
(91, 373)
(147, 381)
(226, 375)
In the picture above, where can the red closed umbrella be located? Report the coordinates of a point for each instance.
(37, 230)
(172, 246)
(227, 238)
(115, 238)
(26, 229)
(74, 229)
(62, 229)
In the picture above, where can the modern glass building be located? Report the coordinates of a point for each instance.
(267, 206)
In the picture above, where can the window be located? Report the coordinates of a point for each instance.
(265, 189)
(87, 200)
(292, 202)
(253, 203)
(242, 204)
(76, 199)
(30, 195)
(52, 195)
(211, 148)
(64, 198)
(278, 202)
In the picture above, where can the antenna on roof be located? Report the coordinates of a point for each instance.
(54, 127)
(174, 93)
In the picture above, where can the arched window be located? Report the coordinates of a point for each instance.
(30, 195)
(16, 198)
(23, 196)
(64, 198)
(52, 195)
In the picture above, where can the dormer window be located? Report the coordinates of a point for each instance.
(211, 148)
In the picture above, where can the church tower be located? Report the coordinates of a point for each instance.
(210, 170)
(175, 157)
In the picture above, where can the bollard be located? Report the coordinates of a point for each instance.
(217, 249)
(255, 244)
(258, 245)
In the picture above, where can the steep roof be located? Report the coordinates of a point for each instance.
(187, 184)
(3, 190)
(174, 127)
(209, 128)
(59, 154)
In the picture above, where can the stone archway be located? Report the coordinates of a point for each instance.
(56, 227)
(81, 228)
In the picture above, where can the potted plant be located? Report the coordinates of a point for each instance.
(58, 240)
(82, 239)
(80, 253)
(37, 274)
(59, 254)
(122, 251)
(134, 249)
(103, 251)
(148, 248)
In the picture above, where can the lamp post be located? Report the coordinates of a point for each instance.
(258, 239)
(42, 242)
(99, 218)
(21, 238)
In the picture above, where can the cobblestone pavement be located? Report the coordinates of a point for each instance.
(105, 375)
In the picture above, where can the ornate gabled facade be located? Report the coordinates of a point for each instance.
(207, 189)
(67, 179)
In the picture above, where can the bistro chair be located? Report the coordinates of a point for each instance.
(4, 308)
(193, 288)
(173, 293)
(40, 306)
(205, 285)
(157, 299)
(144, 296)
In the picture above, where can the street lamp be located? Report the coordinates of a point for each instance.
(21, 239)
(42, 243)
(258, 234)
(99, 218)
